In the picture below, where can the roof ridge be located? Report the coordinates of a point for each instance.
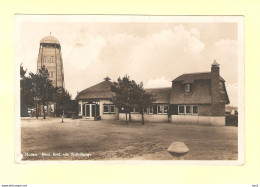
(94, 85)
(196, 73)
(195, 76)
(158, 88)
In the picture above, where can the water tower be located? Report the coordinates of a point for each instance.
(50, 56)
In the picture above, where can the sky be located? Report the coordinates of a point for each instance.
(152, 52)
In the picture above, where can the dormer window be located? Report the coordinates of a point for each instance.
(187, 88)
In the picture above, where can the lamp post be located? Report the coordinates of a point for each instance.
(62, 116)
(36, 99)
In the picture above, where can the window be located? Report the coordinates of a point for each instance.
(112, 109)
(181, 109)
(79, 108)
(135, 110)
(188, 109)
(165, 109)
(108, 109)
(195, 109)
(150, 110)
(52, 59)
(187, 88)
(145, 110)
(45, 59)
(159, 109)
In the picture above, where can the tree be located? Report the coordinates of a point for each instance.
(129, 94)
(123, 99)
(42, 88)
(22, 71)
(62, 99)
(141, 98)
(26, 94)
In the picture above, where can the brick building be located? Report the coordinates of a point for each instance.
(199, 98)
(195, 98)
(50, 56)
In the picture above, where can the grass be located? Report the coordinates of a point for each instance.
(113, 140)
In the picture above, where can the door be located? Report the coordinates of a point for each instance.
(93, 110)
(87, 110)
(90, 110)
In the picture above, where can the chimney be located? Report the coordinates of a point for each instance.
(215, 69)
(215, 91)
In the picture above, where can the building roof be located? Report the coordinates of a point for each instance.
(201, 90)
(50, 40)
(101, 90)
(200, 94)
(161, 95)
(191, 77)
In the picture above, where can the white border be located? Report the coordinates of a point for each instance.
(19, 19)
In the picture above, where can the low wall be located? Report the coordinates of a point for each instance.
(198, 120)
(177, 119)
(147, 117)
(109, 116)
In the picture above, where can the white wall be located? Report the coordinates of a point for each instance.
(147, 117)
(198, 120)
(80, 102)
(103, 116)
(108, 116)
(221, 121)
(177, 119)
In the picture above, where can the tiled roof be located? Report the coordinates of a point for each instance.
(190, 77)
(201, 89)
(98, 91)
(161, 95)
(200, 94)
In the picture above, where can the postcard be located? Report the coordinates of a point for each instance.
(118, 89)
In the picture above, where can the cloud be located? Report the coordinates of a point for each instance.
(232, 90)
(158, 83)
(165, 54)
(81, 51)
(194, 32)
(225, 53)
(151, 53)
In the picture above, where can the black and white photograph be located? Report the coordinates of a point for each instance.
(129, 89)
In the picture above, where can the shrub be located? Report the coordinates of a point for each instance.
(231, 120)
